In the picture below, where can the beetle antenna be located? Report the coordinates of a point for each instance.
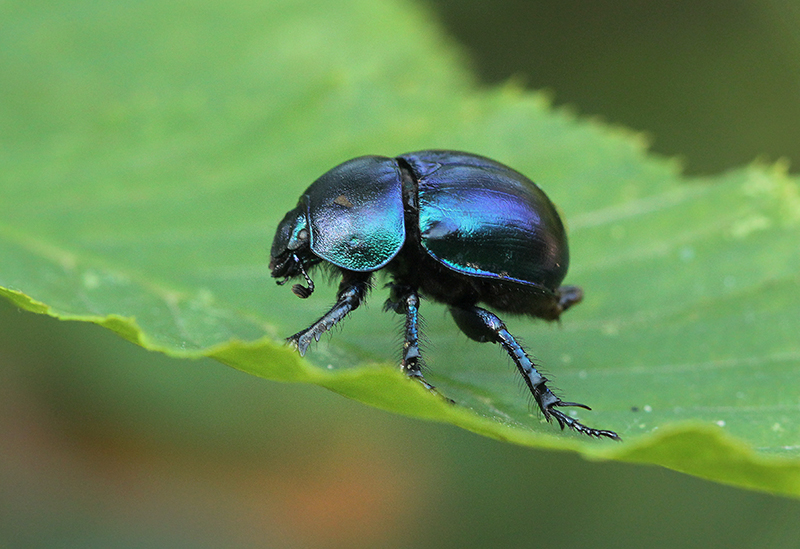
(298, 289)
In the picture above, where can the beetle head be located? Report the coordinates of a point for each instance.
(291, 248)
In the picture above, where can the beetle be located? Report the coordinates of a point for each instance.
(454, 227)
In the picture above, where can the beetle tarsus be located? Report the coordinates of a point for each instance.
(417, 375)
(404, 300)
(566, 421)
(301, 341)
(351, 293)
(482, 325)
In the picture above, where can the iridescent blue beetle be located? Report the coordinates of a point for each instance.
(454, 227)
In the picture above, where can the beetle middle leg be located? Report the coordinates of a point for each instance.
(352, 290)
(405, 300)
(481, 325)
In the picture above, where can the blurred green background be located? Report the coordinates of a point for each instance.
(103, 444)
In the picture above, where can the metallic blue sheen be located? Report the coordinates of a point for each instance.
(291, 229)
(483, 219)
(356, 214)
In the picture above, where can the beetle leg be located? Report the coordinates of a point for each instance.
(405, 300)
(298, 289)
(569, 296)
(352, 290)
(481, 325)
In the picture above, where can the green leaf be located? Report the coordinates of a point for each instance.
(148, 151)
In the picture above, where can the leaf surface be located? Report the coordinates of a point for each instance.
(150, 150)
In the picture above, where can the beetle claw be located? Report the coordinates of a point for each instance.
(577, 405)
(299, 341)
(567, 421)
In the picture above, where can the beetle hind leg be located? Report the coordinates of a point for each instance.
(404, 300)
(481, 325)
(568, 296)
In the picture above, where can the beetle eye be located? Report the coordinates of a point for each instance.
(302, 235)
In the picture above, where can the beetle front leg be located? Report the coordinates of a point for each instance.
(352, 290)
(405, 300)
(481, 325)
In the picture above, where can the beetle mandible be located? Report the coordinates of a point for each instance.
(455, 227)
